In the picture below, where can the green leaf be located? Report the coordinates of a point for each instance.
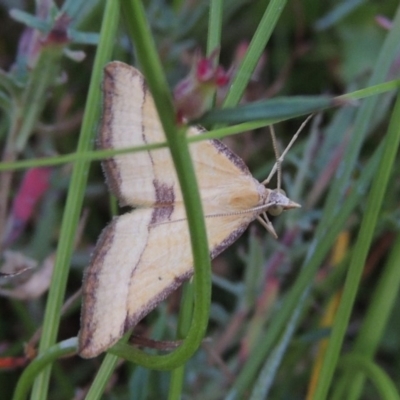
(83, 37)
(30, 20)
(280, 108)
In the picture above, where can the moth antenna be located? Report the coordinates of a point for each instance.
(281, 158)
(261, 209)
(277, 162)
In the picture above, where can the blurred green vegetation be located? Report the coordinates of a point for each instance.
(269, 297)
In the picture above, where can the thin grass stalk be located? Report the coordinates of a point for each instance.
(268, 372)
(359, 364)
(75, 199)
(185, 318)
(214, 27)
(151, 65)
(213, 134)
(361, 127)
(177, 375)
(373, 206)
(41, 362)
(253, 54)
(378, 313)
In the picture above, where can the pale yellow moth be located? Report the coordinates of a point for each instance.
(143, 255)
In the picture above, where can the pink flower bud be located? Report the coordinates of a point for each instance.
(193, 94)
(34, 184)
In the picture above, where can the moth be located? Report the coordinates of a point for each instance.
(144, 255)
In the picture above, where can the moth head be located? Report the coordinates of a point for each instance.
(274, 202)
(279, 202)
(276, 209)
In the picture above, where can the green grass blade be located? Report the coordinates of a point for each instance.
(75, 198)
(214, 27)
(152, 68)
(41, 362)
(375, 321)
(253, 54)
(360, 253)
(280, 107)
(361, 127)
(384, 385)
(104, 373)
(268, 372)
